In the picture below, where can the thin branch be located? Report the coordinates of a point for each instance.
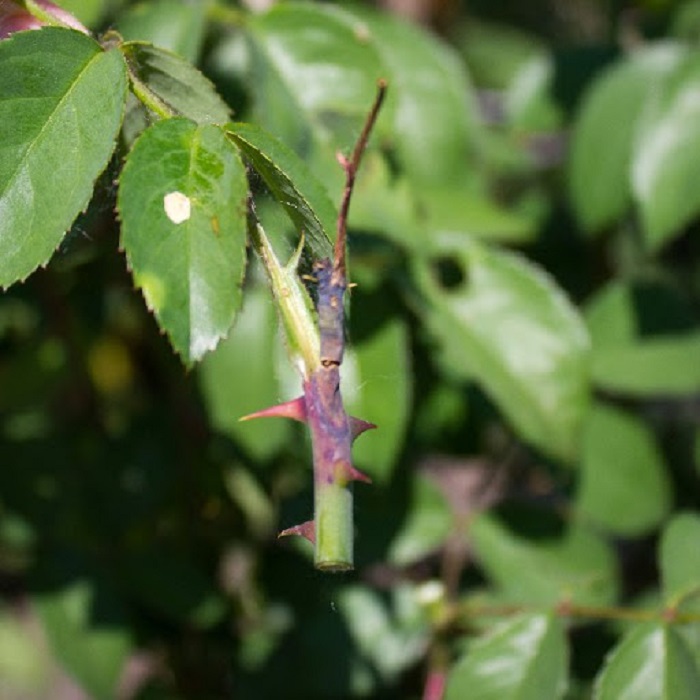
(350, 166)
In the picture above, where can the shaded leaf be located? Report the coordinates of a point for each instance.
(173, 585)
(624, 482)
(182, 200)
(428, 524)
(651, 663)
(61, 105)
(177, 87)
(87, 632)
(168, 24)
(680, 562)
(626, 360)
(503, 323)
(292, 184)
(376, 385)
(522, 659)
(603, 143)
(575, 565)
(239, 377)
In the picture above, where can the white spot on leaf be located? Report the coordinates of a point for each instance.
(177, 207)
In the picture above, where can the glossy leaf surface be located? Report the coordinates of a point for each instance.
(182, 200)
(504, 324)
(652, 663)
(624, 483)
(665, 170)
(521, 659)
(61, 105)
(603, 143)
(432, 109)
(291, 183)
(164, 79)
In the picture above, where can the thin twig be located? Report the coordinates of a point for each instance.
(351, 166)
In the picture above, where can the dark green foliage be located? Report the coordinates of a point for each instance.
(532, 528)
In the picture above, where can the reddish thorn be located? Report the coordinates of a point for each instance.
(307, 530)
(359, 426)
(294, 409)
(356, 475)
(342, 159)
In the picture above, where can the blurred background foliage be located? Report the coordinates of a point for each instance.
(538, 409)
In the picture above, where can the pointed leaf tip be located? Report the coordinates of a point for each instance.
(294, 409)
(306, 530)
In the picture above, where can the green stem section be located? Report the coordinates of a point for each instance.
(292, 301)
(334, 526)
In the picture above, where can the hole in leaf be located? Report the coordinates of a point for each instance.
(448, 273)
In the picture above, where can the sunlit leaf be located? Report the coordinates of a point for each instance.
(310, 61)
(624, 483)
(521, 659)
(168, 24)
(665, 170)
(652, 663)
(61, 105)
(182, 200)
(431, 105)
(501, 322)
(602, 148)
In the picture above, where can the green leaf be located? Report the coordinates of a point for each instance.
(24, 670)
(521, 659)
(651, 663)
(169, 24)
(624, 482)
(665, 170)
(428, 524)
(87, 633)
(378, 635)
(291, 183)
(182, 200)
(679, 562)
(312, 62)
(430, 101)
(61, 105)
(628, 361)
(503, 323)
(377, 387)
(240, 377)
(575, 565)
(170, 86)
(603, 142)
